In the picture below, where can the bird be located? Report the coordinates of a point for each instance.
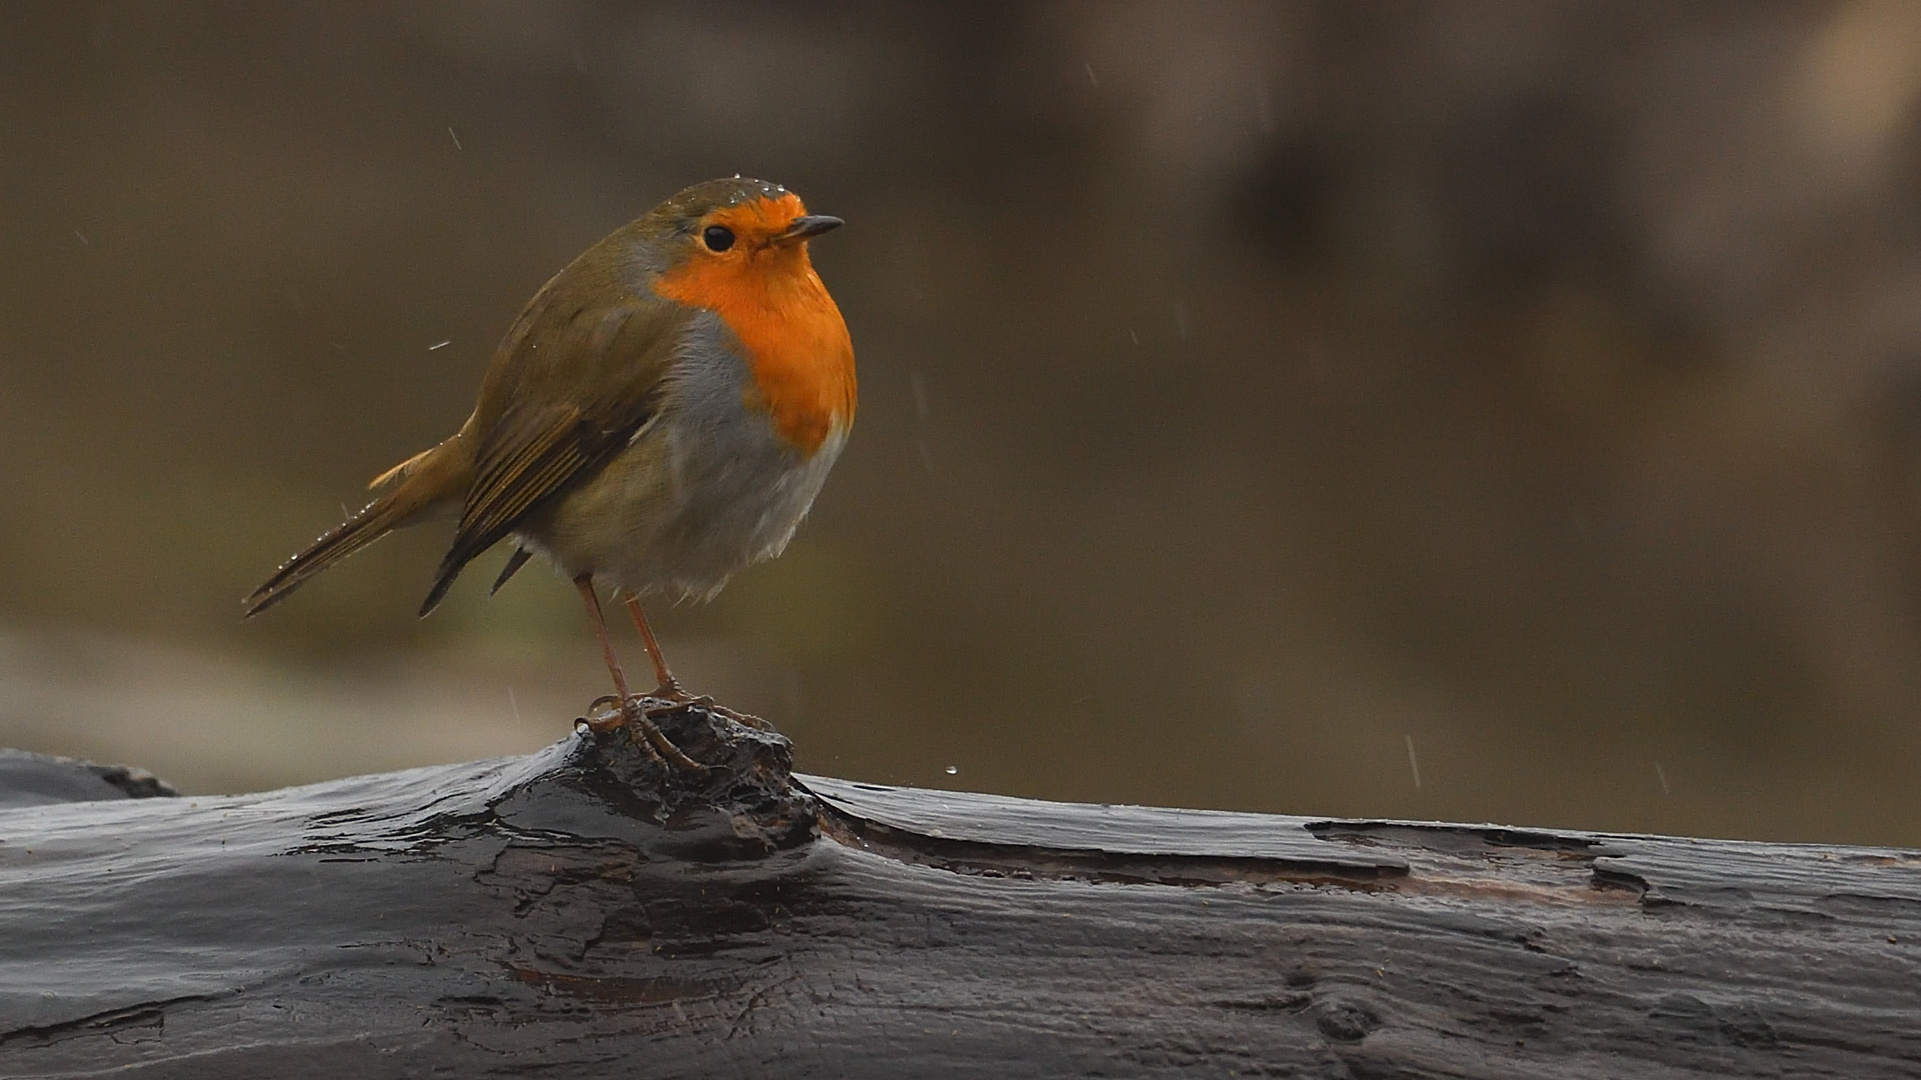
(660, 416)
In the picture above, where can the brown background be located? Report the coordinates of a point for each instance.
(1248, 391)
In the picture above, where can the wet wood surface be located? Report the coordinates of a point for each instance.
(580, 913)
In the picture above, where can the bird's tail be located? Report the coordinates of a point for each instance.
(424, 482)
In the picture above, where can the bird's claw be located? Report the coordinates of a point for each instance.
(608, 712)
(604, 714)
(674, 699)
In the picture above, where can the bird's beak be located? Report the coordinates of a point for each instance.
(811, 225)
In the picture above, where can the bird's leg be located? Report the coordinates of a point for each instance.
(660, 743)
(669, 688)
(585, 583)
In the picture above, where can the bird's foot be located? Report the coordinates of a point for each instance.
(604, 714)
(608, 712)
(672, 699)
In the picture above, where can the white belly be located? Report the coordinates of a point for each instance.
(684, 507)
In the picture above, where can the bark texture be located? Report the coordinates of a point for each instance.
(584, 912)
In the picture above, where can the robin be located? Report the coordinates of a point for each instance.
(660, 416)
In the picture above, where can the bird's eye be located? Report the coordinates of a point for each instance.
(717, 237)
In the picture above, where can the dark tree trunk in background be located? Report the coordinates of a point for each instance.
(579, 913)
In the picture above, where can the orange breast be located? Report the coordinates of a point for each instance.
(797, 343)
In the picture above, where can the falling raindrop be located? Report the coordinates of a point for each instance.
(915, 383)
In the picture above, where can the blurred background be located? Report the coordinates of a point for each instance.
(1475, 411)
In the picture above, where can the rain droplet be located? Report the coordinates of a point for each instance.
(919, 388)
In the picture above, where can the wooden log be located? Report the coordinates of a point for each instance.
(585, 912)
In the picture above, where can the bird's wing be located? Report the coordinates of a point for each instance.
(573, 382)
